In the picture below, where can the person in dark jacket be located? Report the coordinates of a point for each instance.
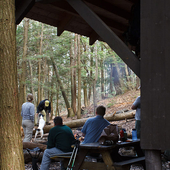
(60, 139)
(45, 105)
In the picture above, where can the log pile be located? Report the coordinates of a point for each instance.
(80, 122)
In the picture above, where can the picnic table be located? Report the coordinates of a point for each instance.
(108, 162)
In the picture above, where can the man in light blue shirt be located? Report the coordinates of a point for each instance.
(136, 106)
(93, 127)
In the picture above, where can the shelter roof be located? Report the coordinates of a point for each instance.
(59, 13)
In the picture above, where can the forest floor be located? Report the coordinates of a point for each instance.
(118, 103)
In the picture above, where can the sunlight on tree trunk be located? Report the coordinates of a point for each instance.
(11, 148)
(91, 72)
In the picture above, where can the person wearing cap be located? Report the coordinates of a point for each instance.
(45, 105)
(27, 113)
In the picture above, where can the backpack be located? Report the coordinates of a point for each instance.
(109, 135)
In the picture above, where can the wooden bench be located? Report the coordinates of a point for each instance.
(65, 157)
(61, 156)
(125, 165)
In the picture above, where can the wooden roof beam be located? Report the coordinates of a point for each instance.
(107, 35)
(22, 8)
(63, 24)
(93, 37)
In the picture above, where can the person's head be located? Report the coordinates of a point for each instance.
(29, 97)
(100, 110)
(47, 102)
(58, 121)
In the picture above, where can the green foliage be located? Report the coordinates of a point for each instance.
(59, 49)
(111, 103)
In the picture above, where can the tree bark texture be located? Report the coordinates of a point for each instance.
(79, 79)
(11, 151)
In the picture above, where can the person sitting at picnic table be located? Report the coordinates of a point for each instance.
(93, 127)
(60, 139)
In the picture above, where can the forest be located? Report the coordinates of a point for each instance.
(66, 69)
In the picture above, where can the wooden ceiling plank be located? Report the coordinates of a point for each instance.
(22, 9)
(65, 8)
(93, 37)
(107, 35)
(109, 7)
(63, 24)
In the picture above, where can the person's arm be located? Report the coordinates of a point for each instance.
(40, 106)
(84, 129)
(136, 104)
(21, 112)
(50, 143)
(133, 107)
(49, 108)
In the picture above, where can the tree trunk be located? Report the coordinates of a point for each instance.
(116, 80)
(71, 76)
(11, 152)
(42, 69)
(79, 79)
(39, 68)
(32, 89)
(22, 94)
(74, 74)
(94, 81)
(69, 109)
(80, 122)
(111, 79)
(57, 113)
(102, 79)
(31, 145)
(91, 72)
(52, 94)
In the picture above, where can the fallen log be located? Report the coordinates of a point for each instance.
(80, 122)
(31, 145)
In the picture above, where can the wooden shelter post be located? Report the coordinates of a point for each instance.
(153, 160)
(155, 80)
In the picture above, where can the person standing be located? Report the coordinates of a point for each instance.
(44, 105)
(93, 127)
(27, 113)
(136, 106)
(60, 139)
